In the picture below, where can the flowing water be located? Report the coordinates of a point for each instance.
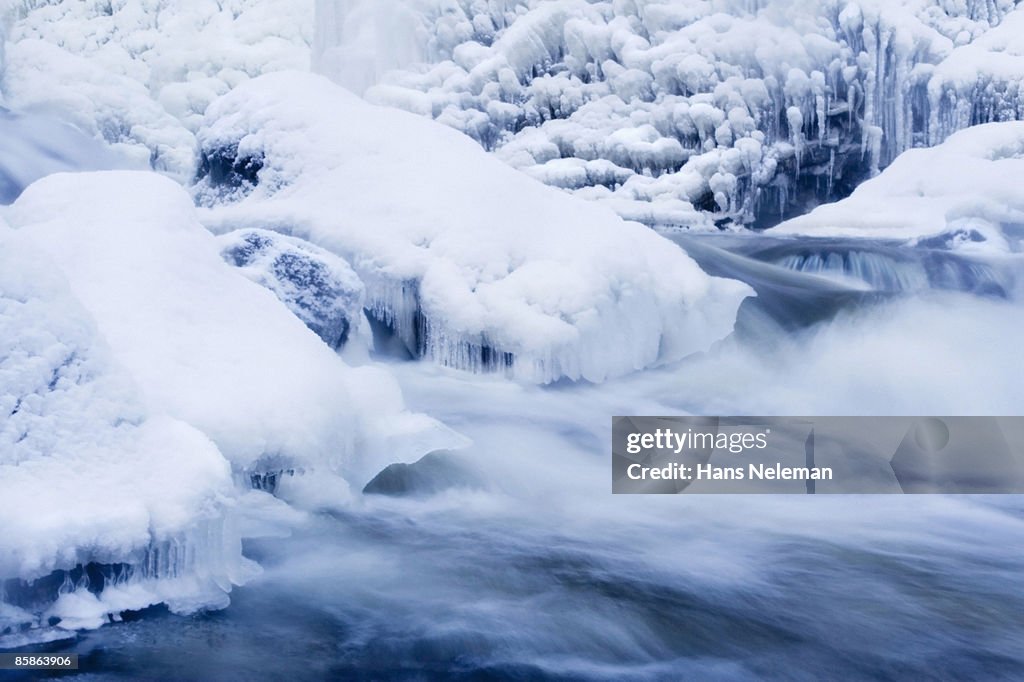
(39, 144)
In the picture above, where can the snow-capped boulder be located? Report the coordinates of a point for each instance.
(204, 344)
(319, 287)
(473, 264)
(88, 471)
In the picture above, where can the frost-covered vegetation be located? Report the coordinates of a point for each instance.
(683, 113)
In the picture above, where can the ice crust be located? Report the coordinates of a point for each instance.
(684, 113)
(471, 263)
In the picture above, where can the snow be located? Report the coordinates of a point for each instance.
(667, 90)
(87, 472)
(968, 188)
(140, 75)
(140, 375)
(471, 263)
(203, 343)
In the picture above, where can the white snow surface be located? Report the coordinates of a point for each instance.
(968, 187)
(86, 470)
(203, 343)
(490, 257)
(718, 103)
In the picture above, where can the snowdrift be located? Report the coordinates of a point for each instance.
(964, 193)
(88, 473)
(470, 263)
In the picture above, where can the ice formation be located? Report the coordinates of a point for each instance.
(88, 472)
(321, 289)
(680, 113)
(139, 75)
(964, 193)
(470, 263)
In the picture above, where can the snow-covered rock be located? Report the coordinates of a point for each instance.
(472, 264)
(319, 287)
(88, 471)
(963, 193)
(142, 378)
(748, 111)
(204, 344)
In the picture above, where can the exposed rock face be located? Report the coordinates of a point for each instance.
(319, 287)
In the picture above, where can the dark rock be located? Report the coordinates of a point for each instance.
(432, 474)
(319, 287)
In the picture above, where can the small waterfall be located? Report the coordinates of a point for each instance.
(900, 270)
(879, 272)
(803, 282)
(32, 147)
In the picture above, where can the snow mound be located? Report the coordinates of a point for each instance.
(966, 191)
(725, 111)
(204, 344)
(320, 288)
(87, 472)
(470, 263)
